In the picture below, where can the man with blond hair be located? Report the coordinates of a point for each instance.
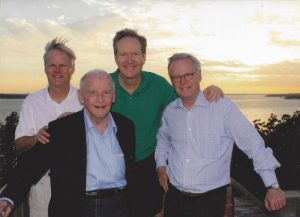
(46, 105)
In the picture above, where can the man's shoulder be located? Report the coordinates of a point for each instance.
(172, 105)
(153, 76)
(157, 82)
(119, 117)
(68, 119)
(225, 101)
(225, 104)
(40, 94)
(114, 75)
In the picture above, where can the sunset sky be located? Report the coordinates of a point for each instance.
(249, 46)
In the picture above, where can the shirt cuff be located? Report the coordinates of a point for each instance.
(8, 200)
(269, 178)
(160, 163)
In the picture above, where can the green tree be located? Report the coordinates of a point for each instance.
(8, 154)
(283, 136)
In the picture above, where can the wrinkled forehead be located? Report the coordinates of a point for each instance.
(98, 83)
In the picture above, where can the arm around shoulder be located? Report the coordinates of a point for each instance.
(25, 143)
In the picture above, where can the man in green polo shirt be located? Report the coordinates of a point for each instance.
(142, 97)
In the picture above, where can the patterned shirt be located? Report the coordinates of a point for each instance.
(198, 143)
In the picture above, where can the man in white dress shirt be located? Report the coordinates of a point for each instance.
(194, 148)
(46, 105)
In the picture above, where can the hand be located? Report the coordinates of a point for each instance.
(213, 93)
(163, 178)
(275, 199)
(5, 208)
(43, 135)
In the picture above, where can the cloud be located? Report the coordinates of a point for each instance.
(290, 39)
(15, 26)
(284, 68)
(285, 71)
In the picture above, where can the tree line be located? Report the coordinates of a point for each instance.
(283, 136)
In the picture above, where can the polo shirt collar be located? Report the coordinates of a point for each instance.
(72, 91)
(139, 89)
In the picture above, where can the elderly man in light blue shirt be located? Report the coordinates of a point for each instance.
(194, 148)
(104, 148)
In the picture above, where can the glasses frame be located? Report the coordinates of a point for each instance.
(186, 77)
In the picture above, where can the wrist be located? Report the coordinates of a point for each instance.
(274, 186)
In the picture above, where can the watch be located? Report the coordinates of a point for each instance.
(274, 186)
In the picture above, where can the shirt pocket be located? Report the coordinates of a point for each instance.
(120, 165)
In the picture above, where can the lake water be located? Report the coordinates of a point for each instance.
(261, 106)
(253, 106)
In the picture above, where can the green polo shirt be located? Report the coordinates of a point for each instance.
(144, 107)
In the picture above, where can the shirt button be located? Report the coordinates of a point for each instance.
(190, 129)
(187, 160)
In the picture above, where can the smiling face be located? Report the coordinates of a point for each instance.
(58, 69)
(185, 81)
(97, 95)
(129, 57)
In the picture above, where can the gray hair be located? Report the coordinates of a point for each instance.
(179, 56)
(98, 73)
(129, 33)
(59, 44)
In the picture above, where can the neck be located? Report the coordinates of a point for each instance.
(189, 103)
(130, 84)
(58, 94)
(101, 124)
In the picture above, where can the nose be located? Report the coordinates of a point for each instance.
(57, 69)
(100, 97)
(129, 59)
(182, 80)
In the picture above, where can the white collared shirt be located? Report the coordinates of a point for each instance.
(38, 109)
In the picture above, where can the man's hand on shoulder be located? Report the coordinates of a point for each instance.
(213, 93)
(43, 135)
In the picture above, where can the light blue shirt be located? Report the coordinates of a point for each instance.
(105, 159)
(198, 145)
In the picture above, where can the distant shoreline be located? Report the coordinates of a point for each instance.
(285, 96)
(12, 96)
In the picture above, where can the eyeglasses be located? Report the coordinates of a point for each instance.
(186, 77)
(95, 94)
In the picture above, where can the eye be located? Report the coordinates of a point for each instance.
(92, 93)
(63, 66)
(51, 66)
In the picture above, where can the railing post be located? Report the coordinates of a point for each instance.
(292, 208)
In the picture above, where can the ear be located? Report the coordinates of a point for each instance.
(115, 57)
(73, 69)
(80, 97)
(144, 58)
(114, 97)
